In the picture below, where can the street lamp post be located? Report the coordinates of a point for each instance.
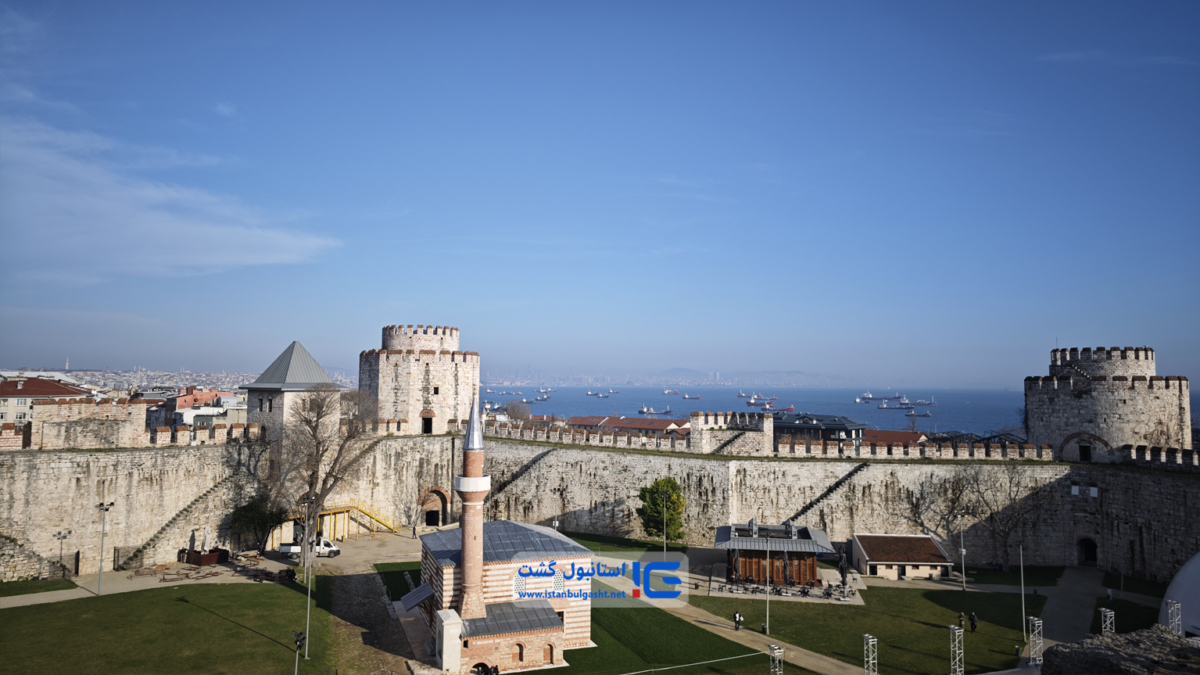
(61, 537)
(103, 519)
(307, 569)
(663, 496)
(768, 625)
(1021, 550)
(962, 551)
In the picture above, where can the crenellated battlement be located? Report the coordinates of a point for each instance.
(1108, 361)
(1117, 384)
(737, 421)
(399, 355)
(420, 337)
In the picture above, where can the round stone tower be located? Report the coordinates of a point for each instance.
(419, 380)
(1097, 400)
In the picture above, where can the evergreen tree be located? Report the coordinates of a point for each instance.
(664, 492)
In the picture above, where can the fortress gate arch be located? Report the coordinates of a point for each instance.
(1087, 551)
(1084, 448)
(434, 503)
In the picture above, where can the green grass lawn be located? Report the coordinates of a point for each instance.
(910, 625)
(393, 577)
(1155, 589)
(600, 543)
(203, 628)
(1129, 616)
(8, 588)
(1034, 576)
(630, 639)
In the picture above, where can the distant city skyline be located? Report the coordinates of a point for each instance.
(877, 194)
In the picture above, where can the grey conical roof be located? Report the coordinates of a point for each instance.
(294, 370)
(474, 439)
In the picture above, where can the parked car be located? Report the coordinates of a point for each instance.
(324, 549)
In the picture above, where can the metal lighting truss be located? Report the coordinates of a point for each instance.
(870, 655)
(956, 650)
(1106, 621)
(776, 653)
(1175, 617)
(1035, 641)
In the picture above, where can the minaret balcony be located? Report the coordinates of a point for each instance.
(472, 483)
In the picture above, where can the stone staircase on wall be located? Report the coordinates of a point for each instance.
(729, 442)
(837, 484)
(135, 560)
(502, 485)
(18, 562)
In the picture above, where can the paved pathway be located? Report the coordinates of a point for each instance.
(120, 582)
(794, 655)
(1069, 605)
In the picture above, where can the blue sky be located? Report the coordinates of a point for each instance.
(888, 193)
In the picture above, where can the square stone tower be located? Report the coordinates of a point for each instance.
(421, 377)
(271, 397)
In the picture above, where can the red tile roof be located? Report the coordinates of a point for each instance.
(35, 387)
(880, 436)
(588, 421)
(905, 549)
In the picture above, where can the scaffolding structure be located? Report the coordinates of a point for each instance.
(956, 650)
(1175, 617)
(1035, 641)
(776, 654)
(870, 655)
(1107, 621)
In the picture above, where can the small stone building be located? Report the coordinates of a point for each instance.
(899, 556)
(786, 554)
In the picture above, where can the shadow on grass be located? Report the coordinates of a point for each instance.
(242, 625)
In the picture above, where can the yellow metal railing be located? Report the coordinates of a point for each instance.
(351, 505)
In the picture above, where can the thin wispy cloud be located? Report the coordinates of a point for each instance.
(1101, 56)
(77, 209)
(17, 32)
(225, 109)
(18, 96)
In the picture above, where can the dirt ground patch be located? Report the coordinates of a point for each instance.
(366, 639)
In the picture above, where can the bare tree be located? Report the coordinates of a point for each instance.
(1002, 497)
(323, 441)
(517, 410)
(935, 500)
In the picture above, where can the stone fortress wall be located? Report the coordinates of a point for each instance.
(752, 443)
(1136, 518)
(91, 424)
(1105, 398)
(165, 497)
(420, 374)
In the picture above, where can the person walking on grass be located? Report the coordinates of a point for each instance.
(962, 618)
(974, 622)
(737, 620)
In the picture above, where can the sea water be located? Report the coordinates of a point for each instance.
(980, 411)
